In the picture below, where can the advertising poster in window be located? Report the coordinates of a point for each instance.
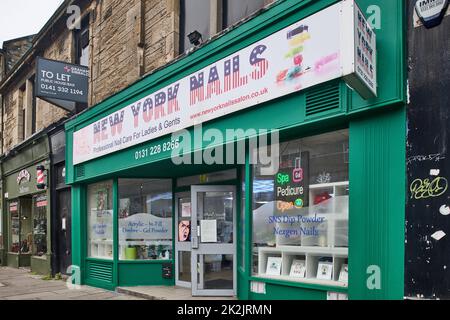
(184, 230)
(101, 224)
(292, 183)
(145, 226)
(101, 218)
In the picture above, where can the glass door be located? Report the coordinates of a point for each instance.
(213, 240)
(183, 239)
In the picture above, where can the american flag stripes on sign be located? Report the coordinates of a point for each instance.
(172, 105)
(213, 83)
(197, 92)
(261, 63)
(172, 102)
(227, 77)
(237, 79)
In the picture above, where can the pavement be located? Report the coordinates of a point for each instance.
(21, 284)
(166, 293)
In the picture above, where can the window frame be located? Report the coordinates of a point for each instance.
(117, 220)
(33, 214)
(111, 183)
(79, 36)
(255, 275)
(218, 15)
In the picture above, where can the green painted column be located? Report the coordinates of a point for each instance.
(377, 206)
(78, 233)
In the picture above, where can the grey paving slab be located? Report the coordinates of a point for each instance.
(166, 293)
(96, 296)
(20, 284)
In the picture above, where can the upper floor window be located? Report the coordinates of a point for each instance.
(82, 43)
(210, 17)
(22, 113)
(26, 110)
(235, 10)
(82, 52)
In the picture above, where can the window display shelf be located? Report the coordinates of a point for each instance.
(326, 248)
(306, 280)
(311, 256)
(132, 250)
(337, 185)
(101, 249)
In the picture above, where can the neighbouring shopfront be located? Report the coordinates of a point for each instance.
(27, 207)
(61, 203)
(170, 178)
(2, 223)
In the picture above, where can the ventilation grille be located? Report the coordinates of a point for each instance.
(322, 99)
(79, 170)
(100, 271)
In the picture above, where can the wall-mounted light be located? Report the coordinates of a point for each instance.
(41, 174)
(194, 37)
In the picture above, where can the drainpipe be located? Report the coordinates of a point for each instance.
(54, 259)
(141, 43)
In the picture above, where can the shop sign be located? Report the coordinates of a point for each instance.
(59, 82)
(362, 72)
(101, 224)
(336, 42)
(13, 206)
(41, 201)
(23, 175)
(431, 12)
(291, 185)
(145, 226)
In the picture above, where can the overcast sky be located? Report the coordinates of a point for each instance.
(20, 18)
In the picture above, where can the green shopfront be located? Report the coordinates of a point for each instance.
(26, 209)
(172, 182)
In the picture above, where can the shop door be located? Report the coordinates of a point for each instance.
(26, 229)
(213, 240)
(64, 233)
(183, 239)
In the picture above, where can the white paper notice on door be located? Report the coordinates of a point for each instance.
(186, 209)
(208, 230)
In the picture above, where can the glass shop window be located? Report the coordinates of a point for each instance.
(21, 233)
(236, 10)
(217, 176)
(100, 220)
(211, 17)
(194, 15)
(40, 225)
(145, 219)
(300, 212)
(14, 223)
(82, 43)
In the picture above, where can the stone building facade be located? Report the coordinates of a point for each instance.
(120, 42)
(127, 39)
